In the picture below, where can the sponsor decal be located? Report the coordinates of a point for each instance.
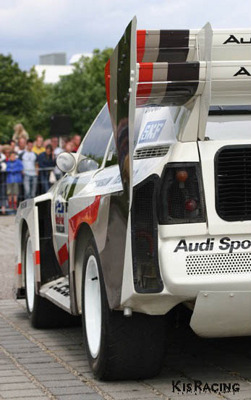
(59, 220)
(103, 182)
(23, 205)
(234, 39)
(59, 207)
(151, 131)
(198, 387)
(225, 244)
(64, 290)
(242, 71)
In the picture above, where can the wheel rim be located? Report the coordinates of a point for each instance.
(30, 276)
(92, 304)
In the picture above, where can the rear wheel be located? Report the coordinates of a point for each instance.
(42, 313)
(118, 347)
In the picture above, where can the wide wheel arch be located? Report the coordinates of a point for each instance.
(83, 237)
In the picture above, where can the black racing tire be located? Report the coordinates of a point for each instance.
(129, 347)
(42, 313)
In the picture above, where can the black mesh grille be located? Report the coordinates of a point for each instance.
(233, 183)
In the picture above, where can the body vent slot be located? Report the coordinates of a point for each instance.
(233, 183)
(150, 152)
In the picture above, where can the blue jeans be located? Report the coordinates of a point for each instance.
(30, 186)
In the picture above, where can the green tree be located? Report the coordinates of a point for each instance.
(25, 98)
(21, 97)
(81, 95)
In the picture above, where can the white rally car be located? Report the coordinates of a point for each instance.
(154, 210)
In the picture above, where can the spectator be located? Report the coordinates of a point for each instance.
(30, 164)
(2, 182)
(69, 147)
(13, 179)
(46, 163)
(13, 146)
(6, 151)
(19, 132)
(39, 148)
(21, 146)
(22, 142)
(56, 151)
(76, 140)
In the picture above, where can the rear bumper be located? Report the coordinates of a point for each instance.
(215, 274)
(222, 314)
(195, 264)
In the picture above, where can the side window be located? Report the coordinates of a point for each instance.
(112, 158)
(97, 138)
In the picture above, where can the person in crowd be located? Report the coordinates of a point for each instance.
(56, 151)
(30, 170)
(21, 146)
(46, 164)
(13, 179)
(69, 147)
(6, 151)
(22, 142)
(13, 145)
(19, 132)
(39, 148)
(2, 182)
(47, 141)
(76, 140)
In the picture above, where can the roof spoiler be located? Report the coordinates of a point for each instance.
(190, 69)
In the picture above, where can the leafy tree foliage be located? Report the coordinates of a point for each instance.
(25, 98)
(20, 96)
(81, 95)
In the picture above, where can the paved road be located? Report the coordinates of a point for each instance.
(52, 364)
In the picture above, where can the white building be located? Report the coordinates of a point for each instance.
(53, 67)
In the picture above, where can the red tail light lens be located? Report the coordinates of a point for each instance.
(181, 176)
(190, 205)
(181, 195)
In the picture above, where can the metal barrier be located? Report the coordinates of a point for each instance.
(31, 186)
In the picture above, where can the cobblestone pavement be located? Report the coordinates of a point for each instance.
(52, 364)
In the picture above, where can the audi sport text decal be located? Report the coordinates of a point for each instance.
(225, 244)
(234, 39)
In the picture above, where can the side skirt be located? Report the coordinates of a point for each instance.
(58, 292)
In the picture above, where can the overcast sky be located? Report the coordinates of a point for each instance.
(29, 28)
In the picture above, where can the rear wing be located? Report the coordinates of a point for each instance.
(189, 69)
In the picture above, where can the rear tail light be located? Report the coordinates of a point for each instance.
(181, 196)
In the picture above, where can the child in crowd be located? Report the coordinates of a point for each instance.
(13, 179)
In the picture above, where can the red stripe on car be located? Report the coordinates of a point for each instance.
(19, 268)
(63, 254)
(88, 215)
(141, 43)
(36, 257)
(144, 88)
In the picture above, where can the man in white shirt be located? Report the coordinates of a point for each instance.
(30, 171)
